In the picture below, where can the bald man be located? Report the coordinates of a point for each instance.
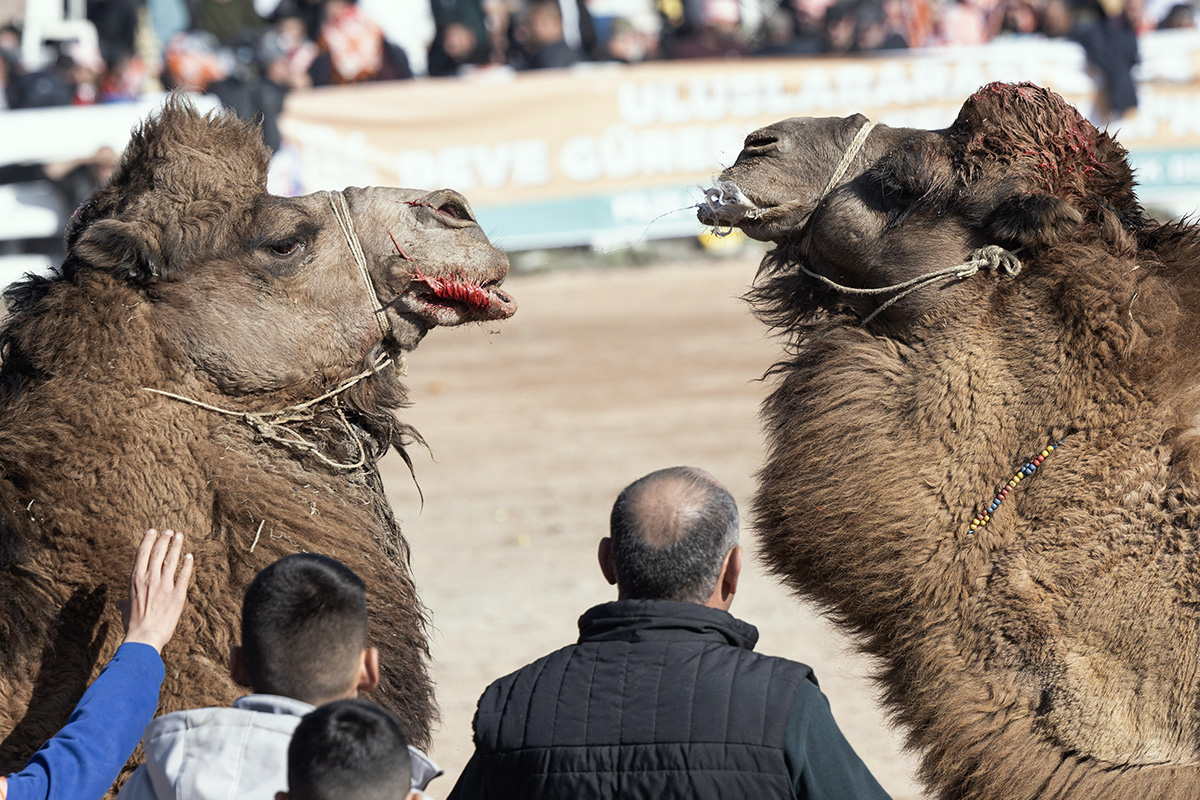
(663, 695)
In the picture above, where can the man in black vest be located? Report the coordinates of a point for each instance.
(663, 695)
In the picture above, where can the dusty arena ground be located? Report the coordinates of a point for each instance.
(536, 424)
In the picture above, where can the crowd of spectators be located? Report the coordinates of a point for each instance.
(253, 51)
(250, 53)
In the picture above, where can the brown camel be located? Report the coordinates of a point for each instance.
(223, 362)
(955, 304)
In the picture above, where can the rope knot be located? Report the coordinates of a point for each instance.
(259, 425)
(997, 259)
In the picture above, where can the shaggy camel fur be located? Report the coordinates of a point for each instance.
(185, 276)
(1049, 649)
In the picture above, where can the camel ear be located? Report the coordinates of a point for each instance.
(1031, 220)
(128, 250)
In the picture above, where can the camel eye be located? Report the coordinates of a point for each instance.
(286, 247)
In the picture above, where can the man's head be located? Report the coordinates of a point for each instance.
(674, 536)
(349, 750)
(304, 632)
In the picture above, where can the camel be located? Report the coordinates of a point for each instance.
(223, 362)
(982, 450)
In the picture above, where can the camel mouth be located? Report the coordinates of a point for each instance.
(725, 205)
(449, 301)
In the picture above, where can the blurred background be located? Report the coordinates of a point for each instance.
(583, 132)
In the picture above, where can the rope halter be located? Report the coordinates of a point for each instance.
(274, 425)
(856, 144)
(341, 212)
(990, 256)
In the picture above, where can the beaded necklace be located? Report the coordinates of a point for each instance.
(984, 517)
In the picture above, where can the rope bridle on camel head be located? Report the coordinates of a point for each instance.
(341, 212)
(273, 425)
(993, 257)
(990, 256)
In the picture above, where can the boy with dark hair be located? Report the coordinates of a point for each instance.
(349, 750)
(304, 643)
(304, 632)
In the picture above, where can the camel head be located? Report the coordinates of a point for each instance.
(870, 206)
(262, 292)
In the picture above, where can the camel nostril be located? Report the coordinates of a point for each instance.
(454, 211)
(760, 142)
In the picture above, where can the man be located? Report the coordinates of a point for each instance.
(349, 750)
(663, 695)
(304, 643)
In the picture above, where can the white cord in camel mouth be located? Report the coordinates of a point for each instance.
(725, 204)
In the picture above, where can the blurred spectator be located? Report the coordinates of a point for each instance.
(297, 51)
(1020, 17)
(1181, 15)
(782, 35)
(84, 68)
(353, 49)
(44, 88)
(1105, 29)
(500, 21)
(1110, 45)
(461, 36)
(716, 35)
(841, 27)
(579, 28)
(116, 24)
(10, 39)
(873, 31)
(912, 19)
(541, 39)
(225, 19)
(454, 47)
(963, 23)
(629, 43)
(125, 80)
(196, 59)
(252, 91)
(407, 24)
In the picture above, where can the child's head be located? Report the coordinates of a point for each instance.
(349, 750)
(304, 632)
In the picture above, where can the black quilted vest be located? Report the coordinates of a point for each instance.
(657, 700)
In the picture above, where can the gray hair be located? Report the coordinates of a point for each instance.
(671, 531)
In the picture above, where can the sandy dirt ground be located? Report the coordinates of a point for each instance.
(536, 424)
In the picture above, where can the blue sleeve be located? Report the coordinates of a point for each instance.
(84, 758)
(821, 763)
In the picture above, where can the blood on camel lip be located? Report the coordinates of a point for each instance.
(469, 294)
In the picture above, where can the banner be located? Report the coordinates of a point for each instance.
(607, 154)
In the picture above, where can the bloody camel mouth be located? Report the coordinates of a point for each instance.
(448, 300)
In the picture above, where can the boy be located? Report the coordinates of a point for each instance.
(304, 643)
(349, 750)
(84, 758)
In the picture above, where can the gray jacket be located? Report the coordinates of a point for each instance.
(236, 753)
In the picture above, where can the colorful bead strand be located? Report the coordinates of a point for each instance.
(984, 517)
